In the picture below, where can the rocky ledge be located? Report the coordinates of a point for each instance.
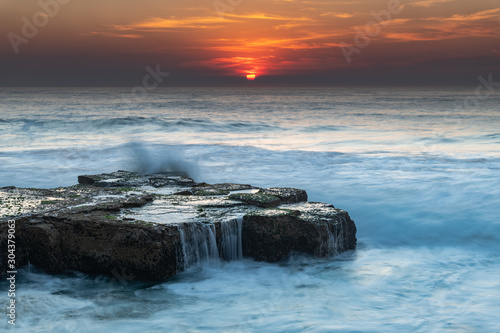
(153, 226)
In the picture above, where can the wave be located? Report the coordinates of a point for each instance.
(169, 124)
(322, 128)
(491, 136)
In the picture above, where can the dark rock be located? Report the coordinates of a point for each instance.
(161, 182)
(219, 189)
(86, 180)
(111, 223)
(286, 195)
(96, 245)
(231, 187)
(257, 199)
(210, 192)
(169, 179)
(319, 230)
(187, 192)
(133, 179)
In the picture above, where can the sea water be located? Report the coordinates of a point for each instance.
(417, 169)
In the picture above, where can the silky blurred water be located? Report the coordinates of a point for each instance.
(418, 175)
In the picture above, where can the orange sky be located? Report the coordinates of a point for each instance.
(113, 40)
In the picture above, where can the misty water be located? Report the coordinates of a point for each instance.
(416, 171)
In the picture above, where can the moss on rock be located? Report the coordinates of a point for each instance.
(257, 199)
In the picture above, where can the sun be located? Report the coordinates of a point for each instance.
(251, 77)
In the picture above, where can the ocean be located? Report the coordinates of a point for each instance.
(417, 170)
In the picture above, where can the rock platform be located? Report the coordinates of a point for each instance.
(154, 226)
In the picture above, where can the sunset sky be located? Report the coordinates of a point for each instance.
(202, 42)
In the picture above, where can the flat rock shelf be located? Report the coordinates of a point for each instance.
(154, 226)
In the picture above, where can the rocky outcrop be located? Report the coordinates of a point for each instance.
(95, 245)
(313, 228)
(152, 227)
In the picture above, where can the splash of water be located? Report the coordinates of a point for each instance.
(162, 159)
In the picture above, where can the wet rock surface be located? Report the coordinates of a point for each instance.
(154, 226)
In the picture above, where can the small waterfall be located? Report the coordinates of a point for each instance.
(335, 242)
(231, 245)
(199, 245)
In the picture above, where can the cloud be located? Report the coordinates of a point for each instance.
(262, 16)
(207, 22)
(426, 3)
(479, 24)
(339, 15)
(262, 65)
(111, 34)
(157, 23)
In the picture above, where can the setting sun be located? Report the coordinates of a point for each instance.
(251, 77)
